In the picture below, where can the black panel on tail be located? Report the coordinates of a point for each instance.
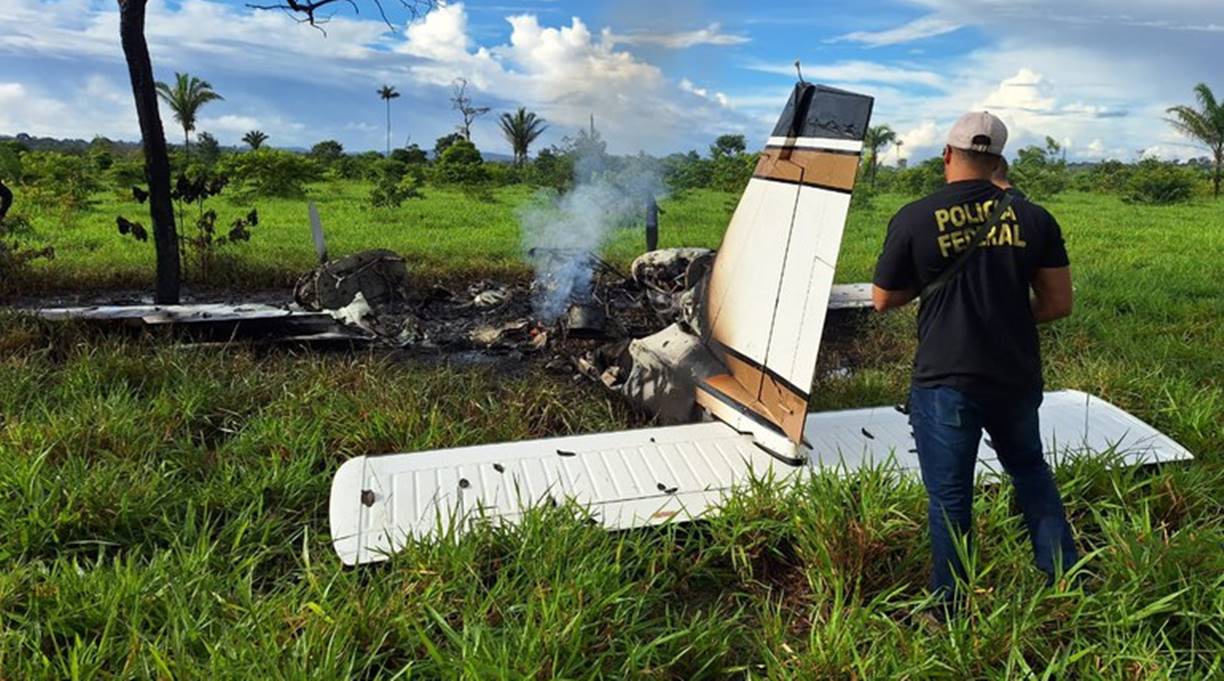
(835, 114)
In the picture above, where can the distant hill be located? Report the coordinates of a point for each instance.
(70, 146)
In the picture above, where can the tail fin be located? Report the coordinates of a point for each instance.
(769, 287)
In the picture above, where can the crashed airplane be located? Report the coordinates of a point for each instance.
(746, 360)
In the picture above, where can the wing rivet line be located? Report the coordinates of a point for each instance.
(367, 497)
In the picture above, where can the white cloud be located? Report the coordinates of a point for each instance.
(710, 35)
(924, 136)
(924, 27)
(718, 97)
(41, 113)
(857, 72)
(568, 74)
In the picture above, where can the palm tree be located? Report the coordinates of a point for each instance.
(1205, 126)
(521, 129)
(255, 138)
(185, 99)
(877, 137)
(388, 93)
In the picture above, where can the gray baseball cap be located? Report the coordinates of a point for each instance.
(979, 131)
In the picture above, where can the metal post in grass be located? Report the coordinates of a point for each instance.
(652, 223)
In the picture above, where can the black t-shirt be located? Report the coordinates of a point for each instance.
(976, 333)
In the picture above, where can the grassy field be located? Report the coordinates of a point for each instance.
(165, 507)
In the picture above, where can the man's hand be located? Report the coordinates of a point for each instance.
(1052, 297)
(884, 299)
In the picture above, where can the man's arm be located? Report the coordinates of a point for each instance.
(894, 283)
(884, 299)
(1052, 297)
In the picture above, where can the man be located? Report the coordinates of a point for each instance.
(1001, 180)
(978, 364)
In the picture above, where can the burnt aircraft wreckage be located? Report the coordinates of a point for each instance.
(740, 351)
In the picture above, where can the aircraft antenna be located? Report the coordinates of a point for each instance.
(799, 70)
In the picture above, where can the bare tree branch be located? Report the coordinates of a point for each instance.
(307, 11)
(463, 104)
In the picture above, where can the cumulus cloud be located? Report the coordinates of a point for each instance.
(1030, 93)
(925, 136)
(568, 73)
(32, 110)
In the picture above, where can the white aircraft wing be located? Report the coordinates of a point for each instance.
(626, 479)
(644, 477)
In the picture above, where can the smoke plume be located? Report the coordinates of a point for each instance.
(561, 231)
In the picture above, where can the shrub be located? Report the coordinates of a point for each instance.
(461, 163)
(503, 174)
(395, 183)
(63, 179)
(446, 142)
(195, 189)
(687, 171)
(552, 168)
(1040, 172)
(15, 252)
(1158, 182)
(921, 179)
(207, 150)
(1107, 177)
(410, 155)
(11, 168)
(271, 172)
(363, 166)
(327, 152)
(126, 173)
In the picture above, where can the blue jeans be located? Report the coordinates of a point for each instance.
(947, 426)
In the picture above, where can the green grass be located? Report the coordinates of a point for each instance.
(164, 507)
(447, 233)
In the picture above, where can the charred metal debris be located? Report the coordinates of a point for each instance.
(637, 333)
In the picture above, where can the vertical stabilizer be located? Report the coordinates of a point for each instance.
(769, 287)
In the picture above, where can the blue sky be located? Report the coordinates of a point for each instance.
(661, 76)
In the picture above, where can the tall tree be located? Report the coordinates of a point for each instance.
(255, 138)
(152, 134)
(521, 129)
(728, 145)
(461, 102)
(153, 142)
(877, 137)
(1204, 125)
(185, 98)
(388, 93)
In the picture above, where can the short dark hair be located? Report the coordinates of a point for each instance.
(979, 159)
